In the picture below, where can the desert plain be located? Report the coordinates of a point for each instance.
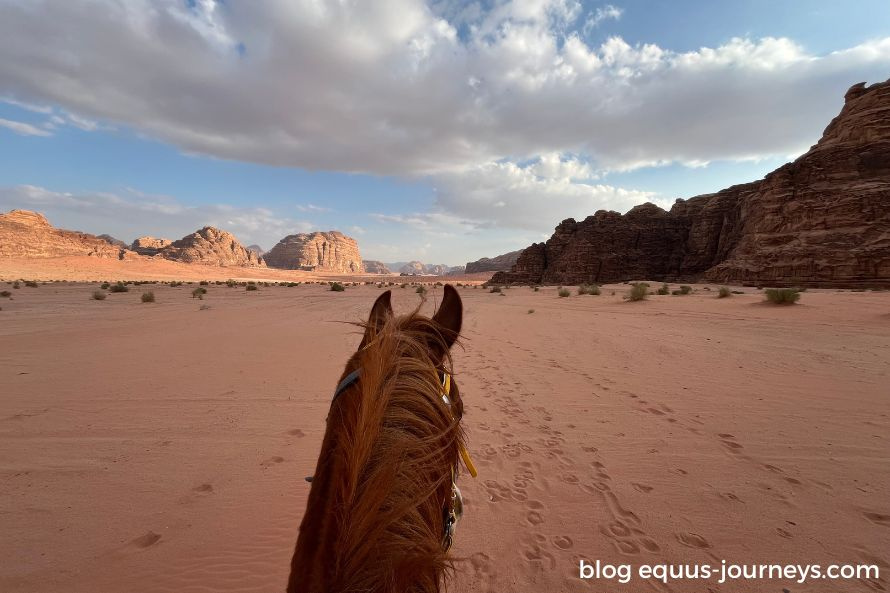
(161, 447)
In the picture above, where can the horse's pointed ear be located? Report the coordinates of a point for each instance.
(450, 315)
(381, 312)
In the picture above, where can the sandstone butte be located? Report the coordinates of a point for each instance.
(211, 246)
(29, 234)
(375, 267)
(821, 220)
(320, 252)
(501, 263)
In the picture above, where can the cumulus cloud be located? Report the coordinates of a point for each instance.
(130, 214)
(603, 13)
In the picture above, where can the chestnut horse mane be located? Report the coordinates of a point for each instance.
(391, 447)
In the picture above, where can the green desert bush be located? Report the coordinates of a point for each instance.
(537, 288)
(203, 283)
(98, 295)
(589, 289)
(665, 289)
(495, 289)
(199, 293)
(175, 283)
(148, 297)
(119, 287)
(337, 287)
(31, 284)
(230, 283)
(105, 286)
(252, 287)
(639, 291)
(530, 311)
(16, 284)
(420, 290)
(723, 292)
(782, 296)
(685, 289)
(563, 292)
(6, 294)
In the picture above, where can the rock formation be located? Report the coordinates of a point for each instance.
(211, 246)
(149, 245)
(116, 242)
(501, 263)
(822, 220)
(413, 267)
(375, 267)
(28, 234)
(323, 252)
(256, 249)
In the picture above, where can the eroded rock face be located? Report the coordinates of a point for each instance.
(256, 249)
(413, 267)
(211, 246)
(116, 242)
(822, 220)
(149, 245)
(29, 234)
(375, 267)
(501, 263)
(323, 252)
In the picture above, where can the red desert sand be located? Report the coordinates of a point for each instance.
(163, 447)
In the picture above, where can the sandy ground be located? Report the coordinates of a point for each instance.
(159, 447)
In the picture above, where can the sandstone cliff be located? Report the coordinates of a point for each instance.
(211, 246)
(29, 234)
(822, 220)
(323, 252)
(500, 263)
(375, 267)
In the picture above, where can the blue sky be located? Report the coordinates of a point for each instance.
(440, 131)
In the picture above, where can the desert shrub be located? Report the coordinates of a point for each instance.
(199, 293)
(148, 297)
(665, 289)
(685, 289)
(230, 283)
(204, 307)
(6, 293)
(119, 287)
(537, 288)
(16, 284)
(203, 283)
(738, 292)
(98, 295)
(638, 291)
(420, 290)
(530, 311)
(495, 289)
(31, 284)
(589, 289)
(563, 292)
(337, 287)
(782, 296)
(723, 292)
(402, 285)
(252, 287)
(174, 284)
(105, 286)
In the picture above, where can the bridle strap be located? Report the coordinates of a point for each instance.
(346, 383)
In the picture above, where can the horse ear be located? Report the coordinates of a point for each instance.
(381, 312)
(450, 315)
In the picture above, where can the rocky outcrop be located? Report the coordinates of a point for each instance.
(211, 246)
(500, 263)
(375, 267)
(413, 267)
(822, 220)
(323, 252)
(256, 249)
(116, 242)
(149, 245)
(437, 269)
(29, 234)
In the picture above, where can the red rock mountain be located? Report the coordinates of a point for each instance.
(29, 234)
(323, 252)
(822, 220)
(211, 246)
(501, 263)
(375, 267)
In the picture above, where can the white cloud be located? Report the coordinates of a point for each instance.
(312, 208)
(391, 88)
(603, 13)
(22, 128)
(131, 214)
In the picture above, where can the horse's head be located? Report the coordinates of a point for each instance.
(384, 503)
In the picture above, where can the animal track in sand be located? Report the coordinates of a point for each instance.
(877, 518)
(783, 533)
(296, 432)
(533, 554)
(145, 541)
(642, 488)
(563, 542)
(203, 489)
(692, 540)
(271, 461)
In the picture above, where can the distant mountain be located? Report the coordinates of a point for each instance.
(421, 269)
(116, 242)
(323, 252)
(29, 234)
(375, 267)
(256, 249)
(501, 263)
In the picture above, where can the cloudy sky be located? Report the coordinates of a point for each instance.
(442, 131)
